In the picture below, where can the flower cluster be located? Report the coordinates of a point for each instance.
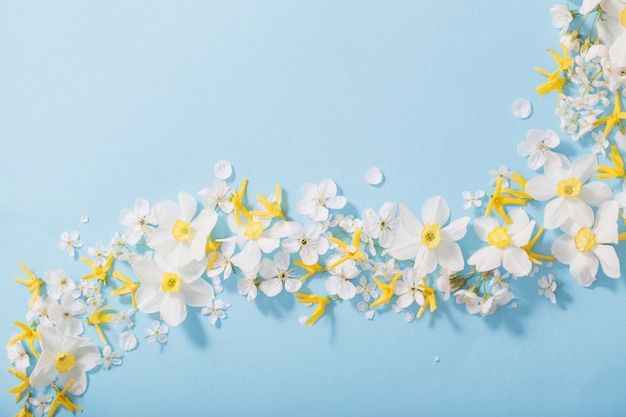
(173, 256)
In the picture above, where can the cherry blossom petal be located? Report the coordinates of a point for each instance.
(373, 176)
(223, 170)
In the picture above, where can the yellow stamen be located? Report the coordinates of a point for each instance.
(431, 235)
(585, 240)
(499, 237)
(64, 362)
(181, 230)
(569, 188)
(170, 283)
(253, 230)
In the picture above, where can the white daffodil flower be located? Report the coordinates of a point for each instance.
(169, 290)
(504, 244)
(574, 198)
(585, 248)
(180, 235)
(429, 243)
(66, 357)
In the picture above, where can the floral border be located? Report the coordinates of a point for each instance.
(171, 255)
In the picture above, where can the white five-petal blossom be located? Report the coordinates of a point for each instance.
(408, 290)
(309, 241)
(574, 198)
(216, 310)
(180, 235)
(66, 357)
(504, 244)
(381, 225)
(585, 248)
(139, 221)
(158, 331)
(169, 290)
(429, 243)
(319, 198)
(340, 280)
(59, 283)
(69, 241)
(66, 315)
(538, 147)
(547, 287)
(277, 274)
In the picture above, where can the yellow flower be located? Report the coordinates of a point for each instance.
(498, 201)
(24, 412)
(352, 250)
(535, 257)
(99, 272)
(33, 284)
(28, 334)
(19, 389)
(97, 318)
(607, 172)
(61, 399)
(555, 82)
(613, 118)
(238, 205)
(311, 269)
(313, 299)
(273, 208)
(386, 290)
(128, 287)
(429, 298)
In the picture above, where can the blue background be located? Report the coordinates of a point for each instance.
(101, 103)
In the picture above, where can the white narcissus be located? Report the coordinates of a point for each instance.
(66, 357)
(180, 236)
(169, 290)
(574, 198)
(504, 244)
(429, 243)
(585, 248)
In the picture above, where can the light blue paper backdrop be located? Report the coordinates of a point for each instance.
(101, 103)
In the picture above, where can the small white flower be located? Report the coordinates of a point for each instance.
(561, 17)
(99, 254)
(381, 225)
(66, 315)
(408, 290)
(309, 241)
(504, 171)
(600, 145)
(59, 283)
(319, 198)
(538, 147)
(547, 287)
(339, 283)
(139, 221)
(69, 241)
(473, 303)
(220, 196)
(41, 403)
(216, 311)
(367, 290)
(248, 285)
(157, 332)
(473, 200)
(223, 263)
(124, 318)
(498, 299)
(277, 274)
(18, 356)
(109, 358)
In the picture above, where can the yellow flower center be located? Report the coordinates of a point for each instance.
(181, 230)
(584, 240)
(253, 230)
(431, 236)
(170, 283)
(569, 188)
(499, 237)
(622, 17)
(65, 362)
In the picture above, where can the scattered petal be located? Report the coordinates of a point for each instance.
(223, 170)
(84, 219)
(436, 358)
(521, 108)
(128, 341)
(373, 176)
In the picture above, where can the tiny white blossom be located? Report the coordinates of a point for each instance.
(216, 311)
(157, 332)
(41, 403)
(547, 287)
(69, 241)
(109, 358)
(473, 200)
